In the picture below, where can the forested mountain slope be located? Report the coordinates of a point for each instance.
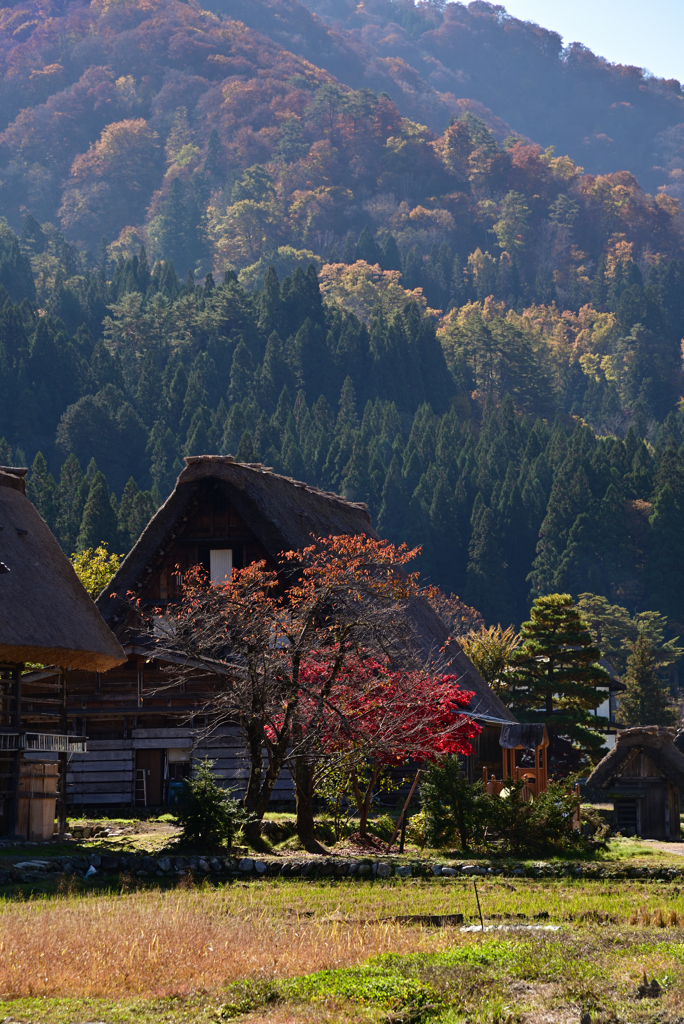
(606, 117)
(467, 332)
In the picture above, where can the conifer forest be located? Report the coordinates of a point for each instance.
(280, 231)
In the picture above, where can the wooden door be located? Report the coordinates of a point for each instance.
(152, 763)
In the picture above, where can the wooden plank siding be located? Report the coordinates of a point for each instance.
(105, 774)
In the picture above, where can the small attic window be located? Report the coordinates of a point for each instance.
(220, 564)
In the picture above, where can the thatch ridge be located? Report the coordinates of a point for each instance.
(46, 615)
(284, 514)
(657, 742)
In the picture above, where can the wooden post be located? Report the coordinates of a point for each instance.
(403, 813)
(16, 724)
(62, 757)
(141, 683)
(546, 766)
(402, 838)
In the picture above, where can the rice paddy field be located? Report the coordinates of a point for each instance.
(552, 951)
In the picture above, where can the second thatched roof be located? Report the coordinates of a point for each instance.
(46, 615)
(657, 743)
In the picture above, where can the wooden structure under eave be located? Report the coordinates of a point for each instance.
(144, 735)
(531, 767)
(643, 775)
(47, 617)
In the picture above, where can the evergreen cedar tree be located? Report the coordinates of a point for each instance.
(647, 700)
(555, 677)
(328, 672)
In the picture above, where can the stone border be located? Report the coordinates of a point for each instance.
(362, 868)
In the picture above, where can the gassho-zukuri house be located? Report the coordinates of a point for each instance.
(46, 616)
(142, 738)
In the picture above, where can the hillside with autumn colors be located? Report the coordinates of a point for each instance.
(258, 230)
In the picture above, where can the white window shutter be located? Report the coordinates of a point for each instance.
(220, 564)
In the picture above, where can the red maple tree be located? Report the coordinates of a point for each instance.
(316, 657)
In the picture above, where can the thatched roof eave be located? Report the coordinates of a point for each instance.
(46, 615)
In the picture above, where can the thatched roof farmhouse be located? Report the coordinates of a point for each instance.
(221, 513)
(46, 616)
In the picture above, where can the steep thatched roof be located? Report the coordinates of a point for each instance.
(45, 614)
(283, 514)
(656, 741)
(528, 736)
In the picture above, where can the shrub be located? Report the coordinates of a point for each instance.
(416, 829)
(208, 814)
(503, 824)
(452, 807)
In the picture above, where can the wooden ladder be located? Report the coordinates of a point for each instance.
(140, 787)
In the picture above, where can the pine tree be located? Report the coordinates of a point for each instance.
(355, 480)
(646, 701)
(149, 392)
(71, 494)
(195, 399)
(390, 258)
(98, 524)
(665, 572)
(215, 164)
(245, 452)
(198, 436)
(557, 673)
(142, 510)
(269, 303)
(445, 534)
(392, 515)
(175, 396)
(348, 417)
(42, 490)
(130, 493)
(486, 584)
(367, 248)
(570, 497)
(241, 374)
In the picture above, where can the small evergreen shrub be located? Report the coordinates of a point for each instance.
(208, 815)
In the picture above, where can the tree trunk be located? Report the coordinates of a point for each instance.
(256, 764)
(277, 755)
(304, 786)
(363, 802)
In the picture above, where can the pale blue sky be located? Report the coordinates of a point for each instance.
(647, 33)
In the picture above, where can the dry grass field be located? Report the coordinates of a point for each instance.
(295, 952)
(176, 943)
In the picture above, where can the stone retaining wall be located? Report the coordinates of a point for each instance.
(362, 869)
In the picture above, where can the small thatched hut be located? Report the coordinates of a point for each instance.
(46, 617)
(221, 514)
(643, 775)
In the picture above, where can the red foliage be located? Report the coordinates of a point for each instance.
(390, 716)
